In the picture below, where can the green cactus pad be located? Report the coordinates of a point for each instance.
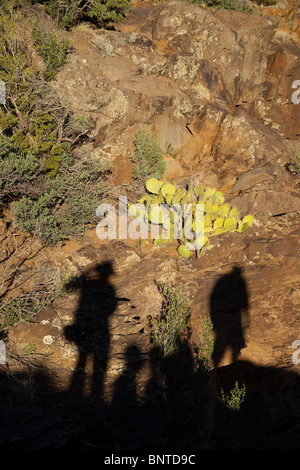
(168, 199)
(184, 252)
(224, 209)
(234, 213)
(176, 198)
(197, 225)
(245, 223)
(208, 207)
(219, 231)
(215, 211)
(207, 220)
(168, 189)
(153, 186)
(132, 210)
(240, 226)
(198, 191)
(219, 198)
(200, 242)
(156, 215)
(209, 192)
(248, 219)
(218, 223)
(229, 224)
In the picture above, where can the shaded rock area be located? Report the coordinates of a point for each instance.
(216, 86)
(95, 376)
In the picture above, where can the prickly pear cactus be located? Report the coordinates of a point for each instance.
(218, 217)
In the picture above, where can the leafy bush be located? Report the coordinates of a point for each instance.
(266, 3)
(233, 399)
(17, 172)
(238, 5)
(148, 158)
(18, 309)
(70, 12)
(54, 51)
(173, 320)
(32, 110)
(46, 284)
(295, 163)
(50, 193)
(68, 205)
(204, 350)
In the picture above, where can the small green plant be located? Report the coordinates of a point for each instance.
(171, 151)
(295, 163)
(205, 348)
(148, 158)
(173, 319)
(102, 12)
(54, 51)
(17, 173)
(18, 309)
(237, 5)
(29, 349)
(234, 398)
(266, 3)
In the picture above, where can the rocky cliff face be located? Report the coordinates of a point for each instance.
(206, 83)
(217, 87)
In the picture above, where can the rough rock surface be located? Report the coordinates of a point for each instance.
(210, 84)
(213, 85)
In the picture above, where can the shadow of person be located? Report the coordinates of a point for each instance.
(171, 390)
(229, 315)
(90, 333)
(126, 409)
(229, 302)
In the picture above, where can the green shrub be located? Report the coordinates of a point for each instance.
(226, 4)
(51, 208)
(266, 3)
(102, 12)
(33, 116)
(204, 350)
(234, 398)
(18, 309)
(148, 158)
(47, 283)
(295, 163)
(173, 320)
(50, 193)
(19, 174)
(237, 5)
(54, 51)
(68, 205)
